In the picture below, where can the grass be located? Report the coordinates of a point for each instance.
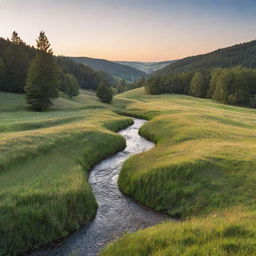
(202, 168)
(225, 234)
(44, 161)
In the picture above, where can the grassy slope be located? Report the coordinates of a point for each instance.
(204, 162)
(44, 194)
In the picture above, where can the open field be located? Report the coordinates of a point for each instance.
(45, 157)
(203, 166)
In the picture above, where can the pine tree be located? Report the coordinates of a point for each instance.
(104, 92)
(16, 65)
(43, 44)
(42, 80)
(15, 39)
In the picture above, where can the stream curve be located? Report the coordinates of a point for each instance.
(116, 213)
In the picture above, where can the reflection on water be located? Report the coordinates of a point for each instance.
(116, 213)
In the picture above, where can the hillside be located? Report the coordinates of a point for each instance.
(147, 67)
(241, 54)
(117, 70)
(201, 170)
(44, 160)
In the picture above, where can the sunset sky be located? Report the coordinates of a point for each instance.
(139, 30)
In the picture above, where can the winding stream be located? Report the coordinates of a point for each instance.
(116, 213)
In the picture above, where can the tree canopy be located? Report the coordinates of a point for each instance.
(16, 57)
(104, 92)
(228, 85)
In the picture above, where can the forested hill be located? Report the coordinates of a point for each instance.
(241, 54)
(117, 70)
(147, 67)
(15, 60)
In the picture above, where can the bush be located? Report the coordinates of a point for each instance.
(104, 93)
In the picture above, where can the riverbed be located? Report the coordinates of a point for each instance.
(117, 214)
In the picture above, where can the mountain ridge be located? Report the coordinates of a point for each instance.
(243, 54)
(117, 70)
(147, 67)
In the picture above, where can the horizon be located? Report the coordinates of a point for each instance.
(133, 31)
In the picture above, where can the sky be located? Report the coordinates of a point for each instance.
(131, 30)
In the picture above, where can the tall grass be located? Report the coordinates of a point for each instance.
(203, 166)
(204, 158)
(44, 193)
(225, 234)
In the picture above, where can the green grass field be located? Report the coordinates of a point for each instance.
(45, 157)
(202, 170)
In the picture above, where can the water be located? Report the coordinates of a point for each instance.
(116, 214)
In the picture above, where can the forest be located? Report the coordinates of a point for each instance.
(236, 86)
(16, 57)
(241, 54)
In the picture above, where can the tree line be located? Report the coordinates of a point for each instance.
(40, 74)
(236, 86)
(16, 57)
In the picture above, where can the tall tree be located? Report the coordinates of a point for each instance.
(15, 39)
(16, 65)
(42, 80)
(104, 92)
(43, 44)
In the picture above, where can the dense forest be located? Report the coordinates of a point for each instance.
(242, 54)
(16, 57)
(235, 85)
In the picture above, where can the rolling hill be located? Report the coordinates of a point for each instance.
(117, 70)
(243, 54)
(147, 67)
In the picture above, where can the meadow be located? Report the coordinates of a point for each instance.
(202, 172)
(44, 162)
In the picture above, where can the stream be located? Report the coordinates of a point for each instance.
(116, 213)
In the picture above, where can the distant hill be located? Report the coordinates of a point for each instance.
(241, 54)
(115, 69)
(147, 67)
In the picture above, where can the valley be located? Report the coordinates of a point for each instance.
(145, 148)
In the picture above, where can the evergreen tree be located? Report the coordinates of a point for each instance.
(15, 39)
(16, 67)
(43, 44)
(104, 92)
(42, 80)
